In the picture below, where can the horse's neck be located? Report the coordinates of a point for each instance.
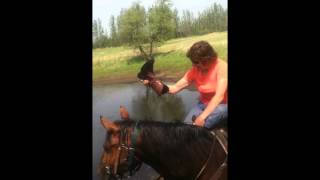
(174, 156)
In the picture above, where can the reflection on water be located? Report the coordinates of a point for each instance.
(150, 106)
(142, 104)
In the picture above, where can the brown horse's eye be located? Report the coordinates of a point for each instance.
(106, 147)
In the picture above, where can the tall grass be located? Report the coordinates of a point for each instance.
(170, 57)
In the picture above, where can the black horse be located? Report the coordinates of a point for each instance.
(176, 151)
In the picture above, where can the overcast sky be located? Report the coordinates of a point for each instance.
(103, 9)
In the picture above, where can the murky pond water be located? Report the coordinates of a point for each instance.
(141, 105)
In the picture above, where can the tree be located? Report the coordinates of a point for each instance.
(132, 25)
(145, 30)
(176, 21)
(113, 33)
(213, 19)
(99, 28)
(100, 37)
(94, 30)
(186, 22)
(161, 23)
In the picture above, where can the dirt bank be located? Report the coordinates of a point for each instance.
(132, 78)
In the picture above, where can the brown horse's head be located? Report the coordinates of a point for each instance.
(117, 146)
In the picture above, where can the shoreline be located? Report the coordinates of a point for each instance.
(132, 78)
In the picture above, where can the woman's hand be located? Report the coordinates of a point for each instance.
(145, 82)
(200, 120)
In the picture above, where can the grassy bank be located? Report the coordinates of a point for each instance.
(171, 61)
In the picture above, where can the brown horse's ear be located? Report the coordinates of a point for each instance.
(108, 124)
(124, 113)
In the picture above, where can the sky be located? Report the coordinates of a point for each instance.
(103, 9)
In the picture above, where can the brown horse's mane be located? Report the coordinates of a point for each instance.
(178, 149)
(183, 133)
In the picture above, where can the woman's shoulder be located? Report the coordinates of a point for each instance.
(190, 74)
(222, 64)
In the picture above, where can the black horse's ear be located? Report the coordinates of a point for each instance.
(146, 70)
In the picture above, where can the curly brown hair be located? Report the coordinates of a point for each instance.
(201, 51)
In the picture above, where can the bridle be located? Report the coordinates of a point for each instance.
(133, 162)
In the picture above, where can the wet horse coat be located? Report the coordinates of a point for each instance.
(175, 150)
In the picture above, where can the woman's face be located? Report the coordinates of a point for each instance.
(203, 65)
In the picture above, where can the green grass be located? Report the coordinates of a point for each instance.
(170, 57)
(172, 62)
(116, 67)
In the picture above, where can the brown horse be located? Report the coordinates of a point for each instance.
(176, 151)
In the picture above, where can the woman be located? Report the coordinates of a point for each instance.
(209, 75)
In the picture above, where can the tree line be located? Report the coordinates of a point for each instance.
(144, 29)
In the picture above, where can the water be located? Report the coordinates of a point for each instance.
(107, 100)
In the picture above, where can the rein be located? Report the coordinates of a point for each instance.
(206, 163)
(221, 167)
(132, 159)
(217, 174)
